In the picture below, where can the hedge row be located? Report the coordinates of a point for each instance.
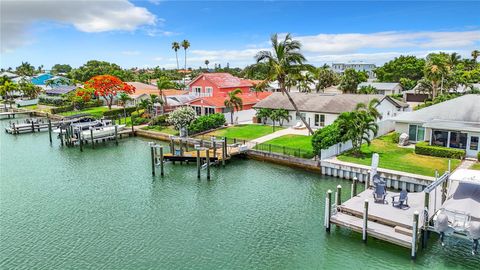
(117, 112)
(207, 122)
(51, 100)
(423, 148)
(61, 109)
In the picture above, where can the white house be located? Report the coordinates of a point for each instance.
(358, 66)
(384, 88)
(454, 123)
(322, 109)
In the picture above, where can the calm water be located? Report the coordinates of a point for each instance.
(102, 209)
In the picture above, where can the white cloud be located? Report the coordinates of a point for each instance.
(354, 42)
(131, 53)
(86, 16)
(159, 58)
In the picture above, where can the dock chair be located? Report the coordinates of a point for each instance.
(380, 193)
(400, 200)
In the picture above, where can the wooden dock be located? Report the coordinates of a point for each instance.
(11, 114)
(400, 226)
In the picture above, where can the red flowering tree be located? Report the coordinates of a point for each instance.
(108, 86)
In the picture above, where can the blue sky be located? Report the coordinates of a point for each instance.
(140, 33)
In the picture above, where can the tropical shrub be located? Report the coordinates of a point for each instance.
(395, 137)
(423, 148)
(140, 121)
(326, 137)
(207, 122)
(116, 112)
(181, 117)
(62, 109)
(159, 121)
(51, 100)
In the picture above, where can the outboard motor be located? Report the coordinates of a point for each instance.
(474, 234)
(441, 226)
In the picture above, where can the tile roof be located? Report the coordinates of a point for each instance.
(218, 101)
(380, 85)
(313, 102)
(224, 80)
(143, 88)
(60, 90)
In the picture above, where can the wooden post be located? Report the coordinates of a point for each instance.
(116, 134)
(354, 187)
(152, 156)
(172, 147)
(328, 210)
(414, 235)
(449, 165)
(224, 151)
(161, 162)
(367, 180)
(208, 163)
(33, 128)
(81, 140)
(338, 200)
(198, 163)
(91, 137)
(444, 191)
(365, 222)
(61, 135)
(133, 130)
(50, 129)
(214, 149)
(425, 221)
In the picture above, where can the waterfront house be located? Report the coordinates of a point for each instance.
(216, 104)
(384, 88)
(60, 90)
(8, 74)
(322, 109)
(454, 123)
(143, 91)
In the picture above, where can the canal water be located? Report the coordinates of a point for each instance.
(102, 209)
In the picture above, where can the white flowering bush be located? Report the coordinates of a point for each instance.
(181, 117)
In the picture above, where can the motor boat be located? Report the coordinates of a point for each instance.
(101, 132)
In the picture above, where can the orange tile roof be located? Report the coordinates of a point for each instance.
(224, 80)
(218, 101)
(143, 88)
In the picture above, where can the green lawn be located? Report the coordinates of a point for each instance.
(96, 112)
(243, 132)
(476, 166)
(398, 158)
(295, 145)
(167, 130)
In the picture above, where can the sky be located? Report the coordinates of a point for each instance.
(140, 33)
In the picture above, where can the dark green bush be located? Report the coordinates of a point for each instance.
(423, 148)
(140, 121)
(62, 109)
(206, 122)
(159, 120)
(478, 156)
(137, 113)
(51, 100)
(395, 137)
(119, 111)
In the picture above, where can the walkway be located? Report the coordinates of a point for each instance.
(466, 164)
(280, 133)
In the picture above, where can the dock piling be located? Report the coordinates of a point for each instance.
(338, 200)
(367, 179)
(80, 141)
(152, 156)
(208, 163)
(425, 220)
(414, 235)
(328, 210)
(161, 161)
(33, 126)
(224, 151)
(354, 187)
(91, 137)
(61, 135)
(116, 134)
(365, 222)
(50, 129)
(198, 163)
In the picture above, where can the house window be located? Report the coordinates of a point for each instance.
(208, 91)
(440, 138)
(458, 140)
(297, 116)
(198, 110)
(209, 110)
(474, 143)
(319, 120)
(197, 90)
(416, 133)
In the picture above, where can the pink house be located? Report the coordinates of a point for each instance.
(217, 85)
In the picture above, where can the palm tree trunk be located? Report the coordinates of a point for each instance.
(231, 116)
(297, 111)
(185, 69)
(176, 55)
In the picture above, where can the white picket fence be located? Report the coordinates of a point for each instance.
(384, 127)
(244, 116)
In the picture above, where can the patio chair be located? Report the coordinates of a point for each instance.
(380, 193)
(299, 125)
(402, 199)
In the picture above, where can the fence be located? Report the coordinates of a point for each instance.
(241, 116)
(336, 149)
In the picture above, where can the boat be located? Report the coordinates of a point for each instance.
(459, 215)
(101, 132)
(81, 124)
(26, 126)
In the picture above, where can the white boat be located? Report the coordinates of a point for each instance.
(101, 132)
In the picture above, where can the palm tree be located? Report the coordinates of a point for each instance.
(123, 99)
(176, 47)
(263, 114)
(144, 104)
(284, 60)
(7, 88)
(153, 99)
(283, 115)
(206, 63)
(434, 74)
(233, 102)
(357, 126)
(370, 109)
(162, 84)
(185, 46)
(475, 54)
(25, 69)
(453, 59)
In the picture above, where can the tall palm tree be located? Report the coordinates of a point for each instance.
(453, 59)
(123, 99)
(283, 115)
(475, 54)
(206, 63)
(185, 46)
(144, 104)
(284, 59)
(162, 84)
(153, 99)
(370, 108)
(7, 88)
(176, 47)
(233, 102)
(434, 74)
(25, 69)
